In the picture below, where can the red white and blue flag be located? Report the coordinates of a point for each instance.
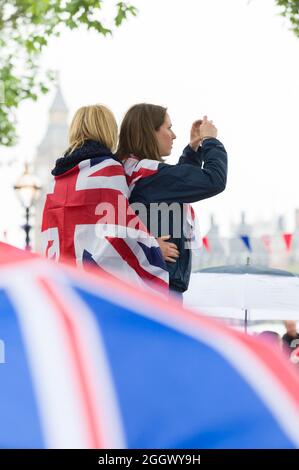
(137, 169)
(87, 220)
(88, 361)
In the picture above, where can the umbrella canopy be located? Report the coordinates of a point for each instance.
(247, 269)
(228, 291)
(87, 361)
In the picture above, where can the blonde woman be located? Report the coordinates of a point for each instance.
(87, 219)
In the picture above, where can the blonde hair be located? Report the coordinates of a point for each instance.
(95, 122)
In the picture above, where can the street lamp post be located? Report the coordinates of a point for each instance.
(28, 190)
(27, 228)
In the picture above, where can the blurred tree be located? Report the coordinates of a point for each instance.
(291, 11)
(25, 29)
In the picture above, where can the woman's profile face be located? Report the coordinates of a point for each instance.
(165, 137)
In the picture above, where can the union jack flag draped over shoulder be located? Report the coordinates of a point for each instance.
(137, 169)
(87, 220)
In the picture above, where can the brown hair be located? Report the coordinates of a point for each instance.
(95, 122)
(137, 131)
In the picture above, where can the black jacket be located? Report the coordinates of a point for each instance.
(198, 175)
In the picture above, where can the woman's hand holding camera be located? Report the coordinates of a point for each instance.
(201, 129)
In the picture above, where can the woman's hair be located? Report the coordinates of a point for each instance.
(137, 131)
(95, 122)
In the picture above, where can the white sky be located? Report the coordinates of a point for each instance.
(234, 60)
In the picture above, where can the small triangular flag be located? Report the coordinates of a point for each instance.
(288, 237)
(245, 239)
(267, 242)
(205, 242)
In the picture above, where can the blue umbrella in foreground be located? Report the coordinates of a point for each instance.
(88, 361)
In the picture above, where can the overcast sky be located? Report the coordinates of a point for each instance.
(234, 60)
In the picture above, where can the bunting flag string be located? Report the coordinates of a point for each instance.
(266, 239)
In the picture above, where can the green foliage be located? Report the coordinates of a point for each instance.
(290, 9)
(25, 29)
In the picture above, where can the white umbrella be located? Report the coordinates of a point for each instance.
(245, 292)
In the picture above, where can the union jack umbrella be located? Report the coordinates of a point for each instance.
(88, 361)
